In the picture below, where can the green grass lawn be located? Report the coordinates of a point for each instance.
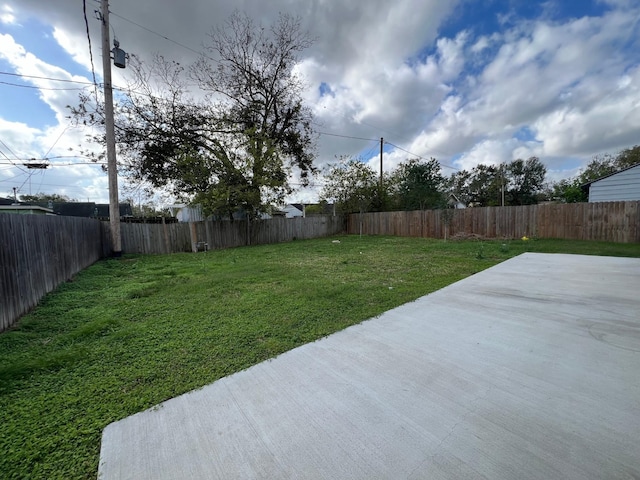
(128, 333)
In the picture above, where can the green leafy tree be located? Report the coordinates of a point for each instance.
(480, 186)
(568, 191)
(416, 185)
(352, 185)
(525, 181)
(521, 182)
(628, 157)
(232, 149)
(574, 189)
(459, 184)
(485, 185)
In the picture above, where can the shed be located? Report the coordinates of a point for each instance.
(187, 213)
(620, 186)
(293, 210)
(454, 202)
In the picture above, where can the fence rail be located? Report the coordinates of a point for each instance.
(38, 253)
(606, 221)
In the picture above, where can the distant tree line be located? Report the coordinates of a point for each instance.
(418, 185)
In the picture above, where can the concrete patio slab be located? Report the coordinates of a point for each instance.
(528, 370)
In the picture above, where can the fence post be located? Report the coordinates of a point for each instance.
(194, 237)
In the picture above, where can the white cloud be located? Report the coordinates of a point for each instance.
(18, 137)
(7, 15)
(25, 63)
(25, 142)
(77, 47)
(571, 85)
(567, 82)
(488, 152)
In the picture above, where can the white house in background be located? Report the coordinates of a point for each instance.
(454, 202)
(293, 210)
(620, 186)
(187, 213)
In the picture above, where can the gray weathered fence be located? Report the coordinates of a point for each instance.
(38, 253)
(606, 221)
(157, 238)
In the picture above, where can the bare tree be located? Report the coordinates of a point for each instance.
(231, 143)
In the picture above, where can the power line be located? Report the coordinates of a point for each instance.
(41, 180)
(58, 164)
(40, 88)
(348, 136)
(12, 153)
(161, 35)
(76, 163)
(419, 156)
(93, 70)
(5, 155)
(57, 140)
(13, 179)
(37, 77)
(76, 187)
(26, 180)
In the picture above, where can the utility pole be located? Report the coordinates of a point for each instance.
(112, 166)
(502, 182)
(381, 148)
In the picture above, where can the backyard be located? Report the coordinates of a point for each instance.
(128, 333)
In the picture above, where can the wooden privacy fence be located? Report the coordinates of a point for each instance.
(606, 221)
(186, 237)
(38, 253)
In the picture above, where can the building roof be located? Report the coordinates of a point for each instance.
(33, 208)
(83, 209)
(588, 184)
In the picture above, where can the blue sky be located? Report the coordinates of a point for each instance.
(466, 82)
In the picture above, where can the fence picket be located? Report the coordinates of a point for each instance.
(606, 221)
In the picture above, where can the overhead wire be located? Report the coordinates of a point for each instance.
(12, 153)
(5, 155)
(9, 149)
(162, 36)
(418, 156)
(38, 77)
(10, 167)
(41, 180)
(93, 70)
(40, 88)
(348, 136)
(57, 140)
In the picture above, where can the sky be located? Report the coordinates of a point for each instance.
(467, 82)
